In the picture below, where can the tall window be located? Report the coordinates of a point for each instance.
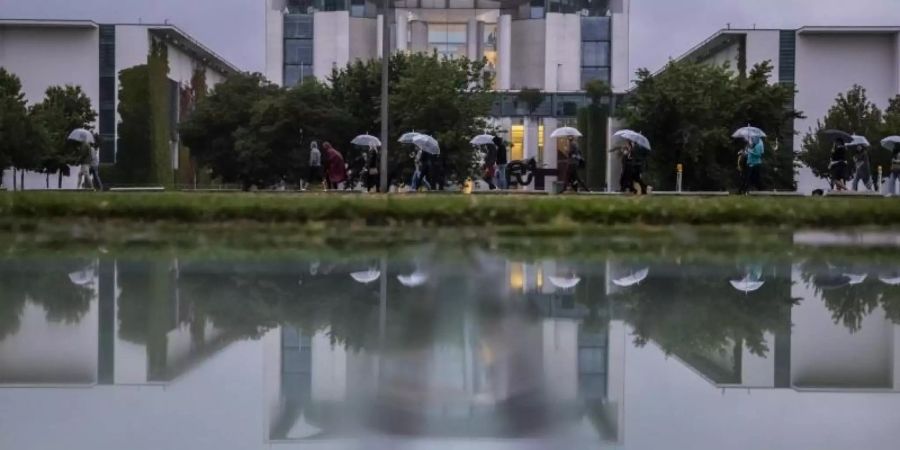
(595, 49)
(298, 48)
(107, 117)
(488, 49)
(448, 39)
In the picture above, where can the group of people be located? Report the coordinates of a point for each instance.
(841, 171)
(330, 170)
(495, 164)
(89, 175)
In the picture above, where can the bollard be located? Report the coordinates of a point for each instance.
(679, 172)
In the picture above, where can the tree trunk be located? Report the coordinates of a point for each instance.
(14, 179)
(47, 179)
(22, 180)
(59, 179)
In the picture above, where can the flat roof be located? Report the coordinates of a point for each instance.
(37, 23)
(849, 30)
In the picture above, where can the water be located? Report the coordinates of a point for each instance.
(452, 347)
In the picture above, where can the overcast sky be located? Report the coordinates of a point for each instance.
(660, 29)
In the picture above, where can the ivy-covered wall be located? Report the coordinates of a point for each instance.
(189, 173)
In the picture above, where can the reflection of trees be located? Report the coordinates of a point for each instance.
(849, 302)
(694, 310)
(45, 283)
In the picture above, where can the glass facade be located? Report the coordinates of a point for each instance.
(107, 113)
(448, 39)
(298, 48)
(596, 43)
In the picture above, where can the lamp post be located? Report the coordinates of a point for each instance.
(385, 72)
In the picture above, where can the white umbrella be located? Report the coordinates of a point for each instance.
(895, 281)
(747, 285)
(367, 276)
(633, 279)
(482, 139)
(81, 135)
(82, 277)
(890, 142)
(748, 133)
(414, 279)
(856, 279)
(428, 144)
(565, 132)
(633, 136)
(408, 138)
(858, 140)
(565, 283)
(366, 140)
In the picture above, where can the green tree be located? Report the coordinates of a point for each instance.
(63, 109)
(852, 112)
(13, 118)
(689, 111)
(592, 122)
(212, 130)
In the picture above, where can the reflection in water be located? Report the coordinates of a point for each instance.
(451, 350)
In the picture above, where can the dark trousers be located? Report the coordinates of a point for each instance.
(95, 178)
(751, 178)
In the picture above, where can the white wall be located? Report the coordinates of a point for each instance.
(331, 42)
(329, 368)
(764, 45)
(560, 352)
(527, 58)
(759, 371)
(275, 41)
(562, 53)
(621, 30)
(362, 42)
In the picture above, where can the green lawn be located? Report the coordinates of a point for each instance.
(514, 212)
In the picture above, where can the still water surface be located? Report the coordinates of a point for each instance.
(449, 349)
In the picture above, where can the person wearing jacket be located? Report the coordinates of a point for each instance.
(337, 170)
(753, 172)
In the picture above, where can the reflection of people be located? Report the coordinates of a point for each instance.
(838, 165)
(337, 171)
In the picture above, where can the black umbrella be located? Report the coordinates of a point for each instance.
(834, 135)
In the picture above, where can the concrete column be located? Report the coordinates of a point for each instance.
(504, 51)
(379, 39)
(419, 38)
(530, 138)
(550, 149)
(402, 27)
(472, 38)
(275, 41)
(897, 65)
(621, 16)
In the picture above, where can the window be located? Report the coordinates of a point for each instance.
(294, 74)
(298, 26)
(449, 40)
(537, 9)
(298, 51)
(595, 54)
(433, 4)
(595, 29)
(595, 49)
(298, 48)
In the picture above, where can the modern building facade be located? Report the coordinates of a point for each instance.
(44, 53)
(821, 62)
(556, 46)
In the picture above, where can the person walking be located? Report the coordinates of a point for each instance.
(631, 179)
(895, 171)
(575, 162)
(372, 171)
(94, 172)
(337, 170)
(314, 176)
(84, 173)
(502, 162)
(862, 168)
(752, 176)
(419, 178)
(490, 166)
(838, 166)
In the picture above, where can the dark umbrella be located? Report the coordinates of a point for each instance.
(834, 135)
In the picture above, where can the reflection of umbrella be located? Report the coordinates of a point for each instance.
(565, 283)
(565, 132)
(427, 143)
(482, 139)
(856, 279)
(632, 279)
(831, 281)
(633, 136)
(413, 280)
(747, 285)
(838, 134)
(890, 142)
(367, 276)
(366, 140)
(748, 133)
(858, 140)
(408, 138)
(82, 277)
(81, 135)
(895, 281)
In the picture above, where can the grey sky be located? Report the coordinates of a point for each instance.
(659, 28)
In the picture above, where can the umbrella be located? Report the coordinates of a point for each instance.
(747, 285)
(366, 140)
(367, 276)
(414, 279)
(82, 277)
(895, 281)
(633, 136)
(565, 283)
(890, 142)
(428, 144)
(565, 132)
(633, 279)
(482, 139)
(858, 140)
(748, 133)
(408, 138)
(856, 279)
(838, 134)
(81, 135)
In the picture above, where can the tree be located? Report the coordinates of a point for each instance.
(212, 130)
(13, 118)
(852, 112)
(689, 111)
(592, 122)
(63, 109)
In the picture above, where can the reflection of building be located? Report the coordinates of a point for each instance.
(821, 61)
(550, 45)
(44, 53)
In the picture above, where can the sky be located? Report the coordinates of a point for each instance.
(660, 29)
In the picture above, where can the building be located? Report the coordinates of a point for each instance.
(553, 45)
(44, 53)
(821, 62)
